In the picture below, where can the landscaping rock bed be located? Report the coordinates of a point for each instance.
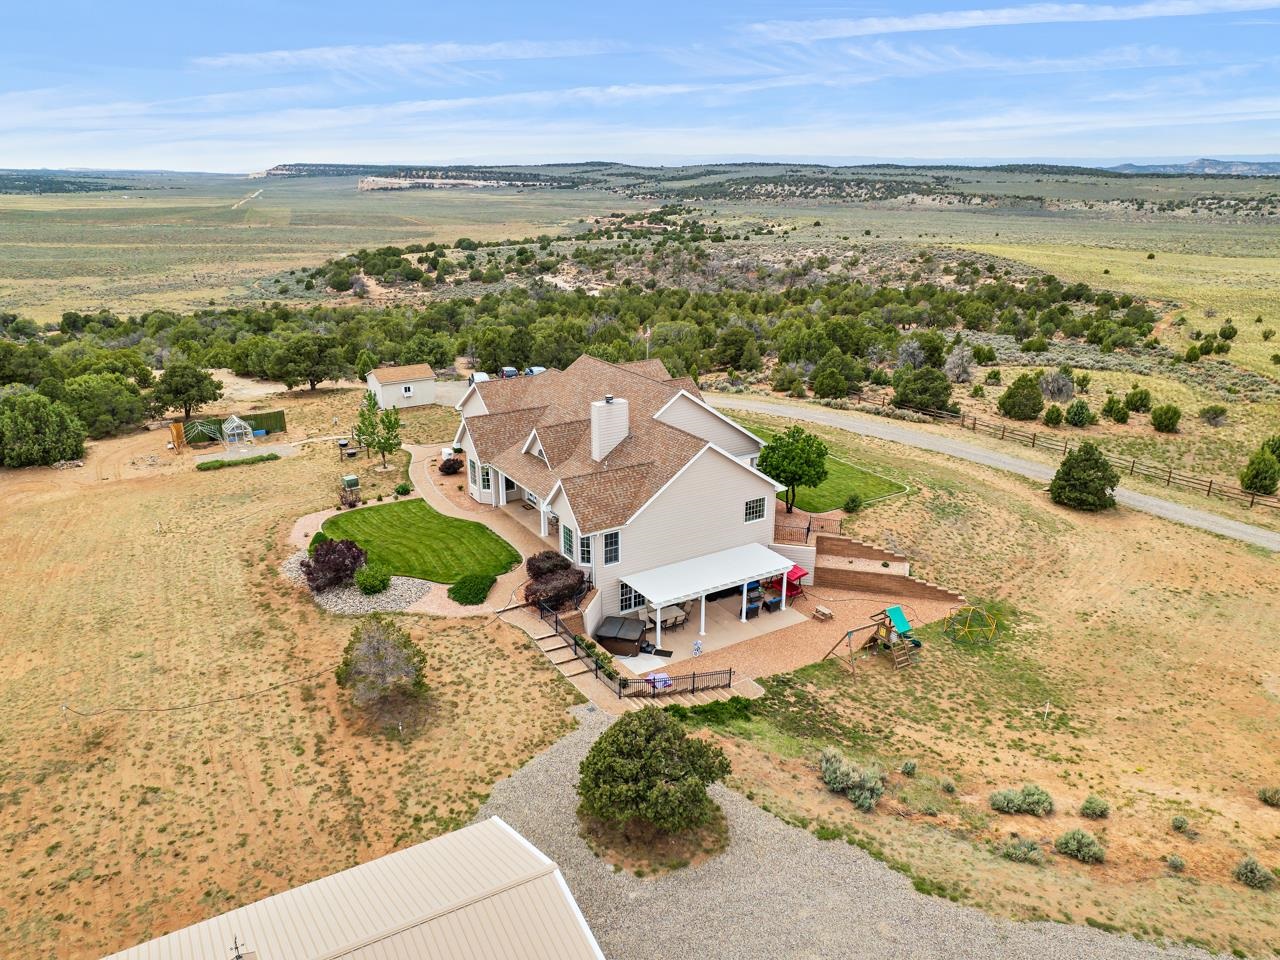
(403, 592)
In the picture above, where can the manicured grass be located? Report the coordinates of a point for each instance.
(413, 540)
(842, 479)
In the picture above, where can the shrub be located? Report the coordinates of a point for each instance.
(372, 578)
(830, 384)
(1253, 874)
(863, 785)
(1192, 354)
(1270, 796)
(451, 466)
(333, 564)
(1082, 382)
(1165, 418)
(1058, 385)
(993, 377)
(1023, 850)
(786, 378)
(237, 462)
(1180, 824)
(977, 391)
(1175, 863)
(924, 389)
(546, 562)
(853, 502)
(1215, 415)
(1085, 480)
(646, 768)
(1115, 410)
(1267, 334)
(1053, 416)
(1030, 799)
(1080, 845)
(1138, 400)
(908, 768)
(1079, 414)
(880, 377)
(403, 489)
(555, 590)
(1036, 344)
(1227, 331)
(36, 431)
(381, 664)
(1261, 474)
(1022, 400)
(319, 538)
(472, 589)
(1095, 808)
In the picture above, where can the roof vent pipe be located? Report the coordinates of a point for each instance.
(608, 398)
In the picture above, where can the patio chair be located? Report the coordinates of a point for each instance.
(753, 610)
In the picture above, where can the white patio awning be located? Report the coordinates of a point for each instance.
(677, 582)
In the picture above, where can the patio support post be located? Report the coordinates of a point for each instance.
(501, 488)
(702, 617)
(784, 591)
(744, 602)
(657, 626)
(542, 519)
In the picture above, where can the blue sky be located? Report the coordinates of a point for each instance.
(238, 86)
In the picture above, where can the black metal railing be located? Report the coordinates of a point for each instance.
(593, 658)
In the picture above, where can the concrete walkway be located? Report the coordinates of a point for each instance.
(897, 431)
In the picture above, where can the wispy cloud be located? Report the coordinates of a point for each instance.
(807, 31)
(401, 57)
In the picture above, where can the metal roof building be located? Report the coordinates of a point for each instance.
(481, 892)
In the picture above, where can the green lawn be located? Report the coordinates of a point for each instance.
(414, 540)
(842, 479)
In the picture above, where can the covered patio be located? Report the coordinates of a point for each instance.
(725, 589)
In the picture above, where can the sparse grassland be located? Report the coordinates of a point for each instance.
(1112, 676)
(137, 584)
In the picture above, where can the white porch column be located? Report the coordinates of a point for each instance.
(702, 616)
(657, 626)
(501, 488)
(542, 519)
(744, 602)
(784, 591)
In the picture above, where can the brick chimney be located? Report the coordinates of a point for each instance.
(610, 425)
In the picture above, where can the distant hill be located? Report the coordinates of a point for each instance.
(1205, 167)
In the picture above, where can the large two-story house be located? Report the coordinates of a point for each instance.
(635, 478)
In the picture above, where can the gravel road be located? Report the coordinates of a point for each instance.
(777, 892)
(904, 433)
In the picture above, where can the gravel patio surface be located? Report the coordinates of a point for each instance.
(777, 892)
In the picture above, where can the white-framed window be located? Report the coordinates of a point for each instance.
(407, 390)
(754, 510)
(471, 470)
(584, 550)
(486, 481)
(612, 551)
(567, 539)
(628, 599)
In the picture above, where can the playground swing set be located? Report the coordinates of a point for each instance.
(888, 631)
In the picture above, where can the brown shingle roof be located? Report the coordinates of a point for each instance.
(410, 371)
(558, 405)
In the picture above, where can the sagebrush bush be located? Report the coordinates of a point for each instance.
(1270, 796)
(1215, 414)
(1180, 824)
(1080, 845)
(472, 590)
(1030, 799)
(1175, 863)
(908, 768)
(1095, 808)
(1023, 850)
(863, 785)
(1253, 874)
(372, 578)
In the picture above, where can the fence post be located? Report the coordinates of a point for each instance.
(1251, 498)
(693, 685)
(1169, 479)
(1209, 492)
(1133, 466)
(1003, 428)
(1033, 440)
(1065, 444)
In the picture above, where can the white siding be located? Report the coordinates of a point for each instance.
(559, 505)
(469, 453)
(392, 394)
(700, 512)
(688, 415)
(807, 557)
(473, 404)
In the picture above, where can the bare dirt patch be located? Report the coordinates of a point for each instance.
(640, 849)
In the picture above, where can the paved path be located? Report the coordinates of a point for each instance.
(897, 431)
(776, 893)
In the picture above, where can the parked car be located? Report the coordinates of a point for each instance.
(507, 373)
(534, 371)
(477, 377)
